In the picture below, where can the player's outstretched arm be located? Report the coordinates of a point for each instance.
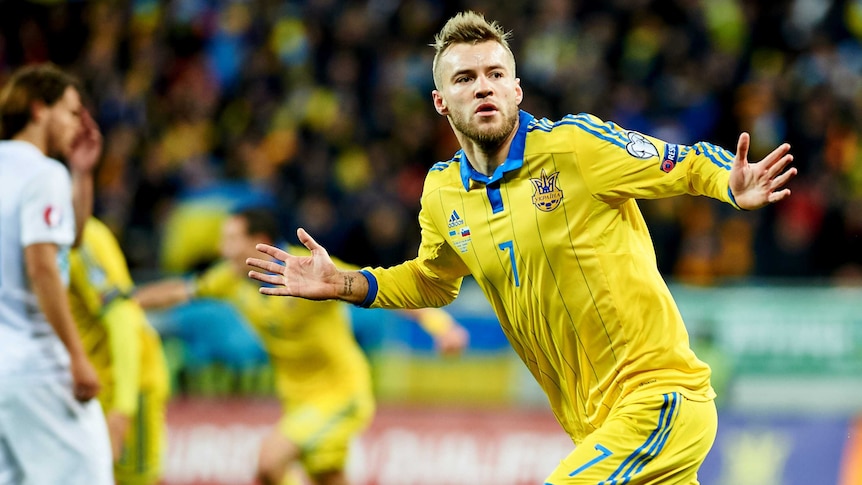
(312, 277)
(755, 185)
(163, 294)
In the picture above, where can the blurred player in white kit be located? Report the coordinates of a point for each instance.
(52, 431)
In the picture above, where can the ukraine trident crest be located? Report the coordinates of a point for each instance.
(547, 196)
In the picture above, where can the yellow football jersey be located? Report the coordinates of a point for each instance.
(310, 343)
(557, 243)
(125, 350)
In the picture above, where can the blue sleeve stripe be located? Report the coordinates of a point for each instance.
(540, 124)
(594, 130)
(733, 199)
(372, 289)
(716, 155)
(723, 154)
(608, 132)
(609, 128)
(439, 166)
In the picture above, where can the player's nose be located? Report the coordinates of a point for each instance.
(483, 87)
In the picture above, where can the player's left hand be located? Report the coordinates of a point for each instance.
(87, 146)
(755, 185)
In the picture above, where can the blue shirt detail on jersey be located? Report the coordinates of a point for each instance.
(372, 289)
(514, 160)
(495, 198)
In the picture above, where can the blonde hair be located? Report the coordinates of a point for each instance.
(468, 28)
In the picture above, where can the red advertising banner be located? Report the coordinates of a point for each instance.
(454, 447)
(215, 443)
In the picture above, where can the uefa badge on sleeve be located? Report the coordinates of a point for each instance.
(671, 155)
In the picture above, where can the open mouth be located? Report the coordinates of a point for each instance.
(486, 108)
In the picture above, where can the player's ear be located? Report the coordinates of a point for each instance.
(37, 109)
(439, 103)
(519, 91)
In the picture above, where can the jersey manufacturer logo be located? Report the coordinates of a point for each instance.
(640, 147)
(671, 153)
(52, 216)
(459, 232)
(455, 220)
(547, 195)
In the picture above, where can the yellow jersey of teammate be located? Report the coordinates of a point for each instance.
(310, 344)
(557, 243)
(321, 373)
(125, 350)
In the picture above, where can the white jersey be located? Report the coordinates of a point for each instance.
(35, 207)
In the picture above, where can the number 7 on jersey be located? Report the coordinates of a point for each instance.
(509, 247)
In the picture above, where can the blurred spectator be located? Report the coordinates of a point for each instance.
(325, 105)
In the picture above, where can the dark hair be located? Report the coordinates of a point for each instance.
(38, 82)
(259, 220)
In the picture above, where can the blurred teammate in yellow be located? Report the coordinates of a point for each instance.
(322, 376)
(126, 352)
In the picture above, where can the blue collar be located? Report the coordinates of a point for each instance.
(514, 160)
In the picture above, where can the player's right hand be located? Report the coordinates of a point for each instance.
(314, 277)
(85, 381)
(87, 145)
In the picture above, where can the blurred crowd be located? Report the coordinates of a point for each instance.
(323, 108)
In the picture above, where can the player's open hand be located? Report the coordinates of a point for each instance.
(755, 185)
(313, 277)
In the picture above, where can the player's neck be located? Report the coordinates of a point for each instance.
(486, 159)
(35, 136)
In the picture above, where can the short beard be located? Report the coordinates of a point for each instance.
(488, 142)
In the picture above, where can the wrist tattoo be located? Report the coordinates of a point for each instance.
(348, 285)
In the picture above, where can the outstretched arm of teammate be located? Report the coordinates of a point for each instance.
(41, 262)
(755, 185)
(312, 277)
(164, 293)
